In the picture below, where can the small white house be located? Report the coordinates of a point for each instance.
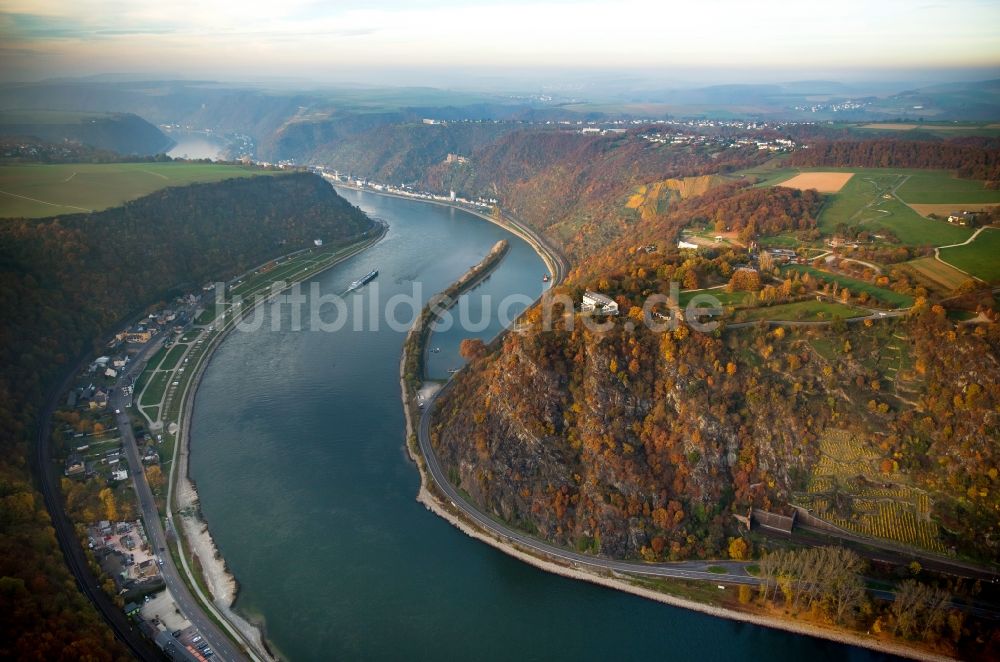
(594, 302)
(119, 474)
(317, 242)
(111, 372)
(686, 244)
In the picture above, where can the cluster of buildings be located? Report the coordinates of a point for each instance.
(91, 397)
(143, 331)
(838, 107)
(962, 218)
(405, 191)
(781, 255)
(124, 553)
(84, 461)
(600, 131)
(725, 142)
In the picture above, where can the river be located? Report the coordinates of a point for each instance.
(196, 145)
(297, 450)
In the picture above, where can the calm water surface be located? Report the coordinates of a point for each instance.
(298, 455)
(195, 146)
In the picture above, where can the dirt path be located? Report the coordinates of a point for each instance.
(937, 252)
(44, 202)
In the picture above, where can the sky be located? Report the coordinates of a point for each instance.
(419, 39)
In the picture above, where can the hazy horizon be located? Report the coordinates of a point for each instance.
(504, 44)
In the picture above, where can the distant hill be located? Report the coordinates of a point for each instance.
(124, 133)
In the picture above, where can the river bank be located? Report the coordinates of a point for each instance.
(411, 364)
(183, 500)
(434, 504)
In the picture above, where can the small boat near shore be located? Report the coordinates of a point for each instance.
(546, 278)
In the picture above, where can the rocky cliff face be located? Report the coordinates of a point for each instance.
(627, 443)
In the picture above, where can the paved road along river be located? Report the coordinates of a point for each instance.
(297, 449)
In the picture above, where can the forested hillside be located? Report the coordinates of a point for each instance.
(571, 186)
(385, 147)
(67, 281)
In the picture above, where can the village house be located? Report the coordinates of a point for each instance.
(594, 302)
(961, 217)
(99, 399)
(151, 456)
(75, 466)
(686, 244)
(138, 336)
(781, 254)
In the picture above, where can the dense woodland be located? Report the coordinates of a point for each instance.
(66, 282)
(971, 158)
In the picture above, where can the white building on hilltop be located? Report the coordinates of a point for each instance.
(593, 302)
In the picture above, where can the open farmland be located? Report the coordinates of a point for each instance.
(981, 257)
(942, 187)
(869, 200)
(890, 199)
(824, 182)
(37, 191)
(946, 208)
(938, 273)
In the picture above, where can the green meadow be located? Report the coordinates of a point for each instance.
(937, 187)
(981, 258)
(805, 311)
(855, 286)
(40, 190)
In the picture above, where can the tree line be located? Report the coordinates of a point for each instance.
(971, 159)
